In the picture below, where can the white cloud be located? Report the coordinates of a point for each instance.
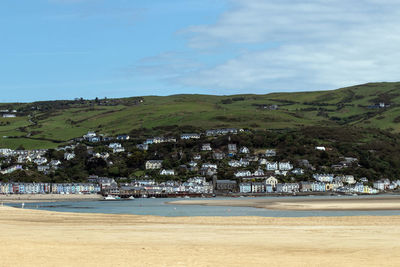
(318, 44)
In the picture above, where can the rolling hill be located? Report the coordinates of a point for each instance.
(51, 123)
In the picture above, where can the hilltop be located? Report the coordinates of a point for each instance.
(51, 123)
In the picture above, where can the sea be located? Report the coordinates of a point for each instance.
(160, 207)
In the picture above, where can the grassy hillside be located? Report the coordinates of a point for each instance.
(48, 124)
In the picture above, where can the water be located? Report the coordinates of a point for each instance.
(158, 207)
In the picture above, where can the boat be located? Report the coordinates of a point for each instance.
(110, 198)
(131, 198)
(187, 197)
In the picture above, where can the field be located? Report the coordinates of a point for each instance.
(346, 106)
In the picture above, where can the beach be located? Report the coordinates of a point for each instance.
(302, 204)
(43, 238)
(29, 198)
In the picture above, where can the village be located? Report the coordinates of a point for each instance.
(251, 173)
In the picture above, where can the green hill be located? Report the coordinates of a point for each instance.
(51, 123)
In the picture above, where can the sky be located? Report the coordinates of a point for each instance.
(63, 49)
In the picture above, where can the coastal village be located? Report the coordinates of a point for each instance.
(254, 173)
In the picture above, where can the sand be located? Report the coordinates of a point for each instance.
(312, 204)
(43, 238)
(29, 198)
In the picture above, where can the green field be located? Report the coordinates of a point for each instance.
(346, 106)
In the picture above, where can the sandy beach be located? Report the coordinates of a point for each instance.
(43, 238)
(29, 198)
(322, 204)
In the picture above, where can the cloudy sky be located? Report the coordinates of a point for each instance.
(62, 49)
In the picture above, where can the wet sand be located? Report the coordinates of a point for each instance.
(29, 198)
(43, 238)
(312, 204)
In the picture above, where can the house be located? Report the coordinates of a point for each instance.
(270, 153)
(244, 162)
(153, 164)
(123, 137)
(69, 156)
(55, 163)
(206, 147)
(197, 157)
(209, 165)
(382, 184)
(285, 166)
(326, 178)
(364, 180)
(269, 188)
(115, 145)
(167, 172)
(318, 187)
(217, 132)
(359, 188)
(305, 186)
(208, 171)
(9, 116)
(234, 163)
(348, 179)
(244, 150)
(245, 187)
(232, 148)
(118, 150)
(43, 168)
(272, 181)
(40, 161)
(143, 147)
(320, 148)
(190, 136)
(298, 171)
(11, 169)
(89, 135)
(94, 139)
(193, 164)
(242, 174)
(257, 187)
(258, 172)
(218, 156)
(226, 186)
(287, 188)
(272, 166)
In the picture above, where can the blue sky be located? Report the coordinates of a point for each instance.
(62, 49)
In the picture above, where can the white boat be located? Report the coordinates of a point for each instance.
(131, 198)
(109, 198)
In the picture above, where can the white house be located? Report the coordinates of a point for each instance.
(258, 172)
(243, 174)
(69, 156)
(320, 148)
(270, 153)
(206, 147)
(285, 166)
(325, 178)
(209, 165)
(153, 164)
(244, 150)
(190, 136)
(272, 166)
(167, 172)
(115, 145)
(271, 181)
(40, 161)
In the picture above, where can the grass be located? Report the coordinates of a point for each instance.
(207, 111)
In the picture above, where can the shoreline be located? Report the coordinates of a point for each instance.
(33, 198)
(301, 204)
(46, 238)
